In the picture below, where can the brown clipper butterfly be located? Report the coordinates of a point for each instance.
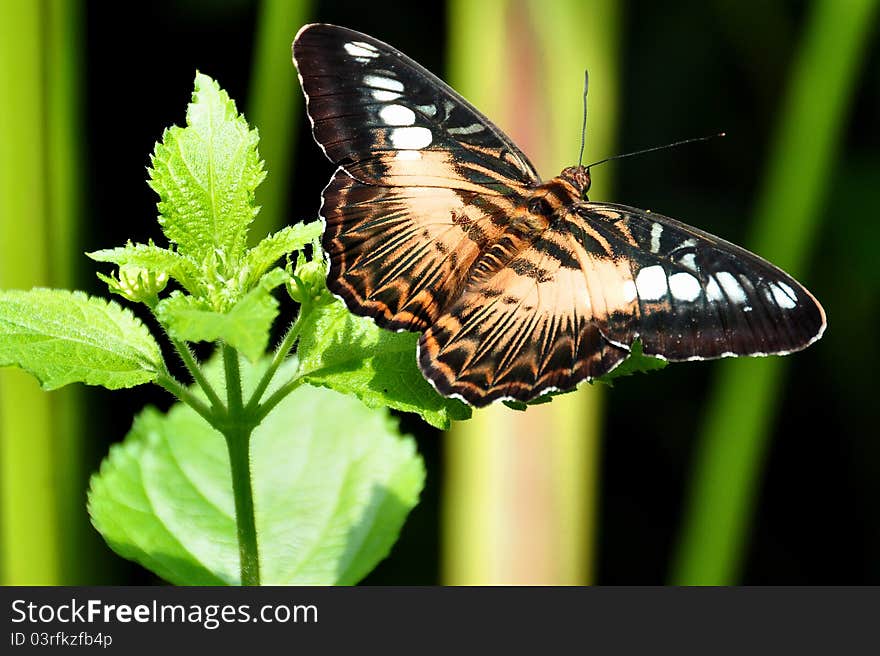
(437, 223)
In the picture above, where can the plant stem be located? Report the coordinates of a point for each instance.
(196, 372)
(237, 428)
(235, 425)
(238, 440)
(178, 389)
(233, 382)
(280, 354)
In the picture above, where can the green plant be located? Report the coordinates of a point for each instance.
(320, 481)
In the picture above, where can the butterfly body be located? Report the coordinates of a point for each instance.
(437, 223)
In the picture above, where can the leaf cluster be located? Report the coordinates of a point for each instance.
(333, 479)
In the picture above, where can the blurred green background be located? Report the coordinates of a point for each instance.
(748, 471)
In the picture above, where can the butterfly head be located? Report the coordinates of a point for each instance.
(579, 178)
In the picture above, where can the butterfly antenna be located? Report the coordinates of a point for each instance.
(651, 150)
(584, 124)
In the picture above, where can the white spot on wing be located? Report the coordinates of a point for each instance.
(411, 138)
(656, 231)
(629, 291)
(684, 286)
(690, 261)
(782, 299)
(787, 289)
(651, 283)
(467, 129)
(427, 110)
(713, 291)
(731, 287)
(382, 82)
(365, 46)
(361, 51)
(385, 96)
(397, 115)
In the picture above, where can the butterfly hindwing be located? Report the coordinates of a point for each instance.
(526, 328)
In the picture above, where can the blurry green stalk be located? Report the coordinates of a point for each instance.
(43, 523)
(742, 405)
(273, 106)
(520, 489)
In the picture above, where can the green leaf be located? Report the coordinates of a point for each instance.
(141, 523)
(154, 259)
(66, 337)
(637, 362)
(333, 483)
(352, 355)
(275, 246)
(521, 406)
(205, 175)
(245, 326)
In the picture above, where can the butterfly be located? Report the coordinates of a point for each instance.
(435, 222)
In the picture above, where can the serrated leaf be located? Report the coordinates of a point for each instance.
(352, 355)
(205, 175)
(275, 246)
(64, 337)
(153, 258)
(245, 326)
(333, 482)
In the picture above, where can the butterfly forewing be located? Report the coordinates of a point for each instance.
(371, 105)
(436, 222)
(401, 254)
(695, 295)
(425, 181)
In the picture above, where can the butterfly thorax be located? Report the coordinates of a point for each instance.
(550, 201)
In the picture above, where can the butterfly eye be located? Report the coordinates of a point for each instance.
(539, 206)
